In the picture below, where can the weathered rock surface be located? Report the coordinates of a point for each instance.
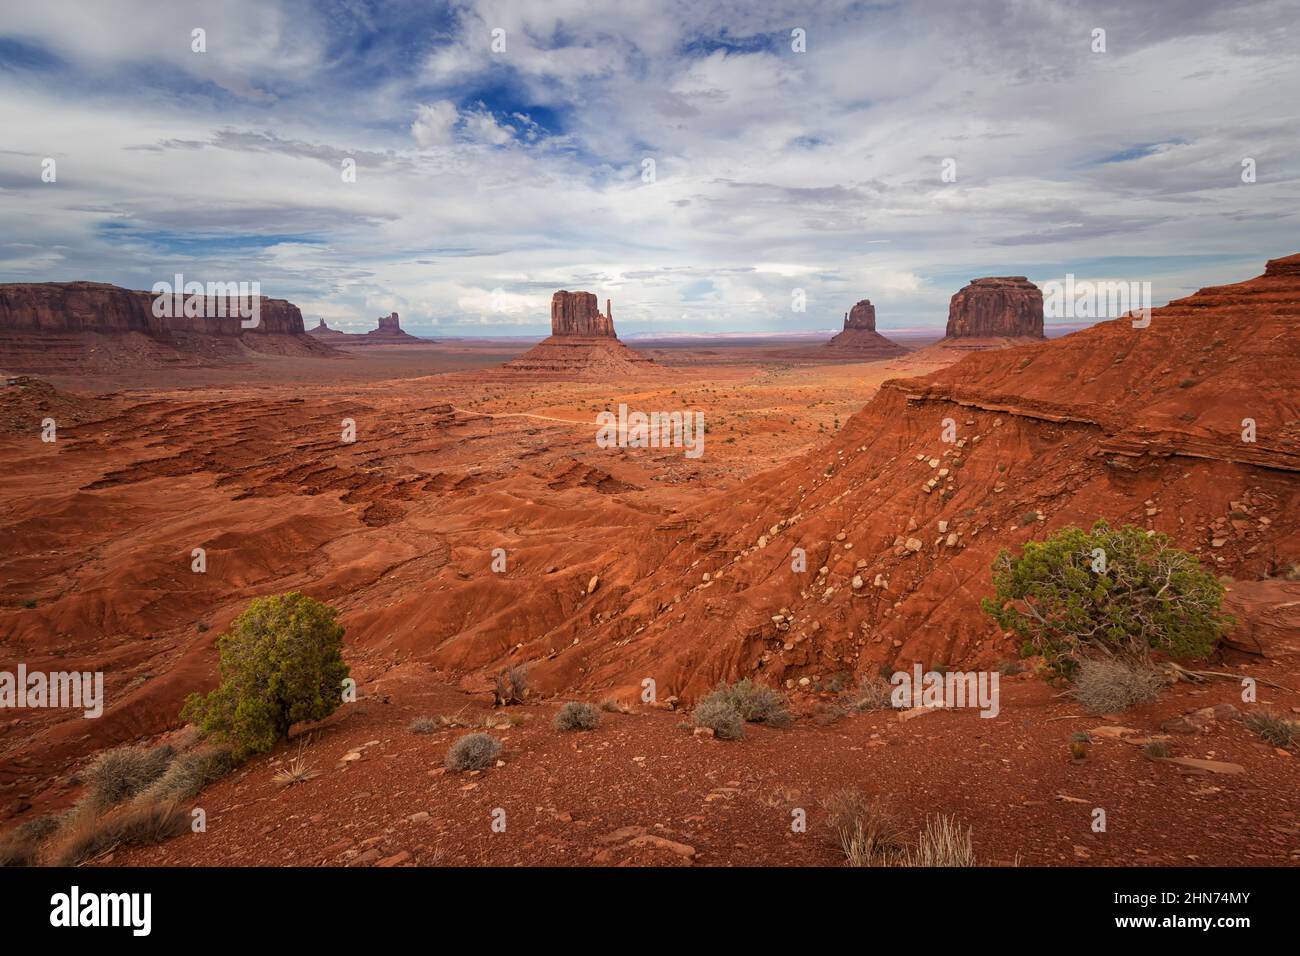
(1000, 306)
(578, 313)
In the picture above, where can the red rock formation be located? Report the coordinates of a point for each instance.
(582, 344)
(57, 326)
(1001, 306)
(1140, 425)
(331, 336)
(389, 332)
(860, 336)
(861, 316)
(100, 307)
(577, 313)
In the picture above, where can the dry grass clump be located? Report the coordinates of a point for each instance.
(576, 715)
(473, 752)
(943, 842)
(873, 693)
(1273, 727)
(121, 773)
(296, 770)
(190, 772)
(423, 725)
(1108, 687)
(865, 829)
(19, 848)
(510, 686)
(612, 706)
(88, 833)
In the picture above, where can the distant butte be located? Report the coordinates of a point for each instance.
(582, 343)
(860, 337)
(389, 332)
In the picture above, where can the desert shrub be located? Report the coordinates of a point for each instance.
(720, 715)
(190, 772)
(511, 686)
(864, 828)
(473, 752)
(87, 833)
(119, 774)
(873, 693)
(1108, 687)
(1156, 749)
(1276, 729)
(1149, 596)
(755, 703)
(295, 770)
(943, 842)
(281, 664)
(576, 715)
(422, 725)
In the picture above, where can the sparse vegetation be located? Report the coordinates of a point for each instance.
(719, 714)
(473, 752)
(510, 686)
(190, 772)
(755, 703)
(281, 664)
(943, 842)
(865, 829)
(1273, 727)
(612, 706)
(1143, 595)
(296, 770)
(1156, 749)
(87, 833)
(19, 848)
(121, 773)
(1108, 687)
(422, 725)
(575, 715)
(873, 693)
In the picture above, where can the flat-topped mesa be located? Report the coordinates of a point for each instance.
(99, 307)
(998, 306)
(578, 313)
(861, 316)
(390, 323)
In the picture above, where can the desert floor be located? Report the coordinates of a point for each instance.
(452, 459)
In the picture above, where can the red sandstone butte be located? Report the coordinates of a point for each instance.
(996, 307)
(582, 343)
(860, 336)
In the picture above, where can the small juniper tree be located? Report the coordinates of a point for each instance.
(1118, 592)
(281, 664)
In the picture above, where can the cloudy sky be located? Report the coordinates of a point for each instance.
(488, 178)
